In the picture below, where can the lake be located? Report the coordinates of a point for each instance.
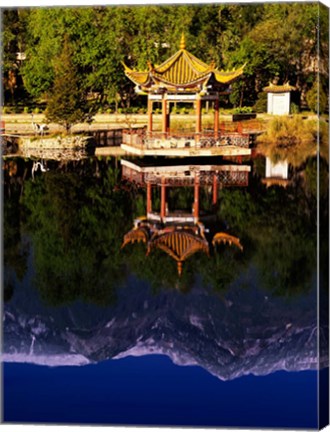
(164, 292)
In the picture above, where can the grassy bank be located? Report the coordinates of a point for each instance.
(293, 139)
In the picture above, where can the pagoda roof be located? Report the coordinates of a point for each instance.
(275, 181)
(183, 71)
(222, 237)
(180, 244)
(274, 88)
(136, 235)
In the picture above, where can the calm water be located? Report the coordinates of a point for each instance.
(99, 333)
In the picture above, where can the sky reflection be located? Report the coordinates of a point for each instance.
(152, 390)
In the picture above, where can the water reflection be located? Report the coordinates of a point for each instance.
(276, 173)
(73, 295)
(179, 233)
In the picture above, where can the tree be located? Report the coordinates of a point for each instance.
(231, 35)
(13, 36)
(66, 101)
(316, 98)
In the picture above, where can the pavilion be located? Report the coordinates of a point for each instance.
(183, 78)
(177, 233)
(167, 174)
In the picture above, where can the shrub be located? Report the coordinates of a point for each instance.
(261, 104)
(294, 108)
(242, 110)
(292, 139)
(205, 111)
(26, 110)
(316, 98)
(324, 139)
(235, 94)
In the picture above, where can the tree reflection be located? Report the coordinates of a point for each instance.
(14, 250)
(76, 223)
(76, 216)
(280, 225)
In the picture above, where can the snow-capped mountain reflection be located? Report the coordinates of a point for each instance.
(245, 331)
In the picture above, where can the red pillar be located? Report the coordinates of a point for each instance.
(198, 117)
(149, 127)
(196, 198)
(215, 190)
(216, 118)
(168, 119)
(163, 199)
(149, 202)
(164, 116)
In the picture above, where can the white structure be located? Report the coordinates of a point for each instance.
(278, 98)
(277, 174)
(279, 170)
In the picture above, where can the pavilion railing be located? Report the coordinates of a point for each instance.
(224, 177)
(140, 138)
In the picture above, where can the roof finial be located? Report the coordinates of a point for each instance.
(182, 42)
(180, 262)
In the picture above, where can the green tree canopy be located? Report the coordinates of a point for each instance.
(273, 39)
(66, 100)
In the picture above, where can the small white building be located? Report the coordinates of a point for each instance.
(277, 170)
(278, 98)
(276, 173)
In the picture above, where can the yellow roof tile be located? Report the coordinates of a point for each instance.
(274, 88)
(179, 244)
(136, 235)
(183, 69)
(222, 237)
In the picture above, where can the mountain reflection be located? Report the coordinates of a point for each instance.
(245, 331)
(74, 296)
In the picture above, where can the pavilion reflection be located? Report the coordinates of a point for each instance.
(181, 233)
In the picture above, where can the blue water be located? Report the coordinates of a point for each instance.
(151, 390)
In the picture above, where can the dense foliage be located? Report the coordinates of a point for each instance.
(273, 39)
(76, 223)
(66, 102)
